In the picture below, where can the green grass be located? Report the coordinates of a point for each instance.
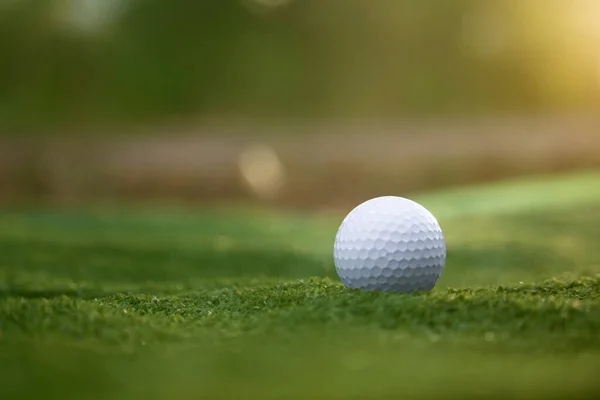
(162, 304)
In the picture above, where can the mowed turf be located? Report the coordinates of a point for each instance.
(233, 303)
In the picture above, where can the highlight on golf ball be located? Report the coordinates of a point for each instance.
(390, 244)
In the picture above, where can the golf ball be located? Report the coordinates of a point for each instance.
(389, 244)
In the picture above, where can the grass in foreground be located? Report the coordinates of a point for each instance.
(241, 305)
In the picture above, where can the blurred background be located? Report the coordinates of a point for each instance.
(296, 103)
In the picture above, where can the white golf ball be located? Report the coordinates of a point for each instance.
(390, 244)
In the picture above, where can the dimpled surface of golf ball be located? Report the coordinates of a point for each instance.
(390, 244)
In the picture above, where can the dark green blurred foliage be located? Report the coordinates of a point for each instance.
(200, 56)
(166, 58)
